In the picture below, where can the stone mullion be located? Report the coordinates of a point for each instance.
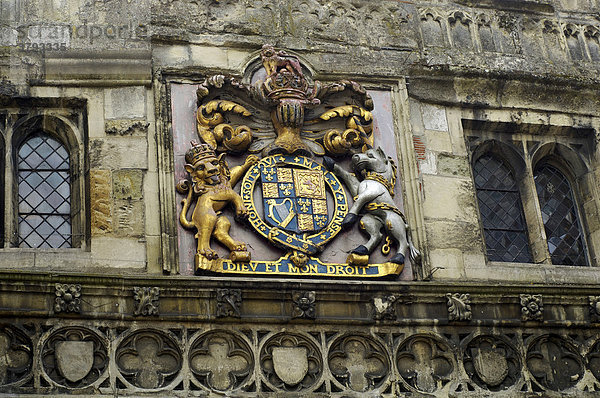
(11, 206)
(257, 364)
(413, 205)
(166, 179)
(532, 212)
(591, 205)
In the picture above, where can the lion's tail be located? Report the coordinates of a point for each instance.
(186, 205)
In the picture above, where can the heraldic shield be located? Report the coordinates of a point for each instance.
(74, 359)
(294, 199)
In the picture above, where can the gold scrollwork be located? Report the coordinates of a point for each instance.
(358, 133)
(213, 130)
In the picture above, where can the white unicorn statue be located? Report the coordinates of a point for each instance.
(373, 195)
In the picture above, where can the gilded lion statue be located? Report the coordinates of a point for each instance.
(211, 187)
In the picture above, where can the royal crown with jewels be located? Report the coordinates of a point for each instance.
(198, 152)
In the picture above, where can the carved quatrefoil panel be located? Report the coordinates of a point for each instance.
(554, 362)
(149, 359)
(221, 360)
(492, 363)
(426, 363)
(593, 360)
(359, 362)
(75, 357)
(15, 355)
(291, 362)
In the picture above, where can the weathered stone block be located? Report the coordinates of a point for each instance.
(453, 165)
(454, 235)
(100, 201)
(434, 117)
(118, 253)
(119, 152)
(449, 198)
(128, 218)
(125, 103)
(438, 141)
(128, 184)
(126, 127)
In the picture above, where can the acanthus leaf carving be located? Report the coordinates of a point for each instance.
(229, 302)
(146, 300)
(384, 307)
(286, 93)
(459, 307)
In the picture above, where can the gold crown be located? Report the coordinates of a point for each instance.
(198, 152)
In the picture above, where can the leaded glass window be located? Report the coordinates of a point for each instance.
(501, 211)
(44, 193)
(559, 214)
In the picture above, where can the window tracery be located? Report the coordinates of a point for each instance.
(533, 188)
(44, 193)
(501, 211)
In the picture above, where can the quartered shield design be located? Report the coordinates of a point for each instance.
(294, 199)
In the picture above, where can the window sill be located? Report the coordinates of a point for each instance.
(533, 273)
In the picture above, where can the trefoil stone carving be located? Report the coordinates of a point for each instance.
(229, 302)
(146, 300)
(459, 307)
(68, 298)
(221, 360)
(532, 307)
(358, 362)
(304, 304)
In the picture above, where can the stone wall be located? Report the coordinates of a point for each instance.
(77, 335)
(457, 74)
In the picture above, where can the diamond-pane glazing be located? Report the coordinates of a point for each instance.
(501, 211)
(44, 193)
(559, 215)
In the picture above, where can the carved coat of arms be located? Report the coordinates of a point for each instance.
(296, 137)
(294, 199)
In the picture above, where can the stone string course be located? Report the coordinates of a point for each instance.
(412, 340)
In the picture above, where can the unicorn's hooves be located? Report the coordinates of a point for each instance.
(349, 221)
(397, 259)
(362, 250)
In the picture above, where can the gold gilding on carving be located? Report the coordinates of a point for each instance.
(213, 130)
(300, 205)
(210, 187)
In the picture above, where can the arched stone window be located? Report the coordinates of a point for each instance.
(44, 193)
(44, 184)
(534, 194)
(560, 216)
(505, 231)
